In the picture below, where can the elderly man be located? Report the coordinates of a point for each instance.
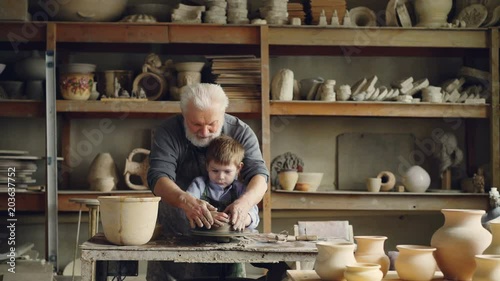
(178, 156)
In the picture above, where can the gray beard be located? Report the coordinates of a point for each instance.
(200, 142)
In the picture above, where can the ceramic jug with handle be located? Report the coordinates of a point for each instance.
(137, 168)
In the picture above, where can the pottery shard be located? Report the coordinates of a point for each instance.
(282, 85)
(358, 87)
(404, 83)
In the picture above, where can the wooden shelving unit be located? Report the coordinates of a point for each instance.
(267, 41)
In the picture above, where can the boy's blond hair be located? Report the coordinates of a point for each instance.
(225, 150)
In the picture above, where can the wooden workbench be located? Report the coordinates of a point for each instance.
(310, 275)
(194, 250)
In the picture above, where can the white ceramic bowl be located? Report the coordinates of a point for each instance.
(77, 68)
(128, 220)
(309, 181)
(189, 66)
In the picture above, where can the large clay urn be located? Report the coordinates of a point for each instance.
(458, 241)
(494, 247)
(415, 263)
(332, 259)
(432, 13)
(371, 250)
(487, 268)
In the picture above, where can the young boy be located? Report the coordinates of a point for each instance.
(223, 161)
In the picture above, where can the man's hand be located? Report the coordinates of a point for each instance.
(238, 211)
(197, 211)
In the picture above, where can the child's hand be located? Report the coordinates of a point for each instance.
(220, 218)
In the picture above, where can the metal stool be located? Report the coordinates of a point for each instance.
(93, 206)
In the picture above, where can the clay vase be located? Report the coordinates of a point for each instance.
(363, 272)
(416, 179)
(487, 268)
(332, 259)
(494, 247)
(415, 263)
(137, 168)
(371, 250)
(458, 241)
(288, 179)
(432, 13)
(101, 169)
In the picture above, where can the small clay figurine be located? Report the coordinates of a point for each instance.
(118, 88)
(478, 181)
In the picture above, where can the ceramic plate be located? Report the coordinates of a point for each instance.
(13, 152)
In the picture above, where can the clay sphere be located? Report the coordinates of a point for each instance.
(416, 179)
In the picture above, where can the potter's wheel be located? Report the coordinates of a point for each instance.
(209, 233)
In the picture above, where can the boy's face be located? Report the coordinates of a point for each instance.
(223, 175)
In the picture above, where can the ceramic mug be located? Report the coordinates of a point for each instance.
(373, 184)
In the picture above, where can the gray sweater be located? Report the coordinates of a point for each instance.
(173, 156)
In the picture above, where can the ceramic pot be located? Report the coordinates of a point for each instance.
(415, 263)
(332, 258)
(137, 168)
(363, 272)
(457, 242)
(90, 10)
(102, 167)
(371, 250)
(432, 13)
(128, 220)
(31, 68)
(494, 247)
(487, 268)
(288, 179)
(416, 179)
(76, 86)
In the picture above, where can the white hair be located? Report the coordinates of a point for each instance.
(203, 96)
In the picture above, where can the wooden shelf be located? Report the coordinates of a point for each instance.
(379, 37)
(22, 108)
(119, 32)
(151, 107)
(19, 33)
(379, 109)
(35, 201)
(382, 201)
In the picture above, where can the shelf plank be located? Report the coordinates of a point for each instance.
(112, 32)
(22, 108)
(158, 107)
(214, 34)
(378, 37)
(18, 33)
(382, 201)
(379, 109)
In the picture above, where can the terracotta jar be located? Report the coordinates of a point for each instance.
(363, 272)
(415, 263)
(432, 13)
(494, 247)
(458, 241)
(288, 179)
(332, 258)
(487, 268)
(371, 250)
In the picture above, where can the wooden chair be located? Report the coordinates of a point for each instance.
(324, 230)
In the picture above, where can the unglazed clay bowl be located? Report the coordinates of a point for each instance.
(128, 220)
(313, 180)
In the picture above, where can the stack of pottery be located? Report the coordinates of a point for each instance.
(432, 94)
(76, 81)
(275, 12)
(216, 12)
(187, 14)
(32, 71)
(237, 12)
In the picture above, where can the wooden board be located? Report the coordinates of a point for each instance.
(364, 155)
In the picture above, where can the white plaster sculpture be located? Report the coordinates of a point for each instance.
(347, 19)
(335, 19)
(322, 19)
(282, 85)
(448, 152)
